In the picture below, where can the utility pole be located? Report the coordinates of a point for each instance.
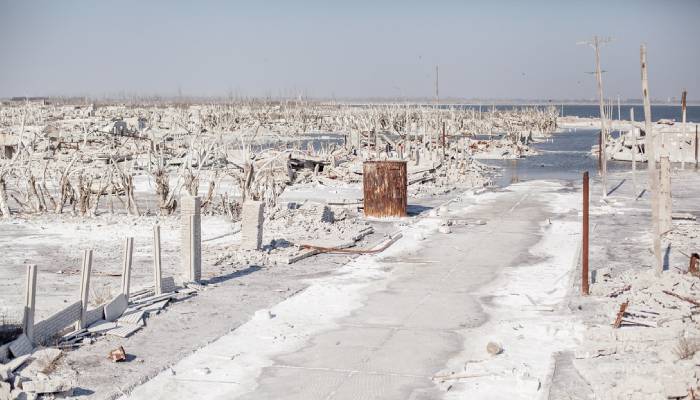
(649, 147)
(683, 129)
(634, 155)
(437, 85)
(596, 43)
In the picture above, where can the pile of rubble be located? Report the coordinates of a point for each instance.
(30, 375)
(503, 149)
(290, 226)
(123, 318)
(645, 343)
(25, 370)
(452, 174)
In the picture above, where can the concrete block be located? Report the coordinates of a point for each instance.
(51, 327)
(21, 346)
(674, 388)
(51, 385)
(115, 308)
(252, 218)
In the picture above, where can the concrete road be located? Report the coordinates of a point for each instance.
(404, 324)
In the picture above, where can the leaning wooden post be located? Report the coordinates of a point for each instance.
(84, 288)
(157, 272)
(696, 146)
(29, 302)
(650, 149)
(584, 244)
(126, 268)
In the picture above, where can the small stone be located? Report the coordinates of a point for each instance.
(675, 388)
(17, 394)
(17, 383)
(444, 229)
(5, 374)
(53, 385)
(494, 348)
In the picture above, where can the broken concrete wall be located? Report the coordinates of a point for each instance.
(52, 326)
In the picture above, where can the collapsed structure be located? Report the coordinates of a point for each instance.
(236, 161)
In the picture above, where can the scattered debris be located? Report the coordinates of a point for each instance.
(620, 314)
(117, 354)
(494, 348)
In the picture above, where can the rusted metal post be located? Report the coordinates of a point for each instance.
(693, 266)
(584, 245)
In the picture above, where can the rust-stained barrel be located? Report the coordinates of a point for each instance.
(385, 185)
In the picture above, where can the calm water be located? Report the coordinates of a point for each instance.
(657, 111)
(564, 157)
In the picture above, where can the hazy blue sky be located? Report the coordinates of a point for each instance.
(351, 48)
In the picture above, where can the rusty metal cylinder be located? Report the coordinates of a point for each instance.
(385, 188)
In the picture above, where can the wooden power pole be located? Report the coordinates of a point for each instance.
(437, 85)
(650, 150)
(596, 43)
(683, 128)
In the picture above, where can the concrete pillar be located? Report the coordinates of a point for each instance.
(665, 194)
(29, 302)
(191, 238)
(251, 225)
(84, 288)
(157, 272)
(126, 267)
